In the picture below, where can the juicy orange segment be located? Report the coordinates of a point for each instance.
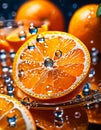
(13, 115)
(19, 35)
(4, 45)
(51, 64)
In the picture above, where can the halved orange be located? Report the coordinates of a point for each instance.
(14, 116)
(19, 35)
(50, 65)
(5, 45)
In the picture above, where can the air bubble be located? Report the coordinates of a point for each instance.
(92, 73)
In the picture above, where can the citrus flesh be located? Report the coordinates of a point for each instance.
(13, 115)
(19, 35)
(51, 65)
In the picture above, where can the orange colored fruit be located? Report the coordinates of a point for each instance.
(51, 65)
(13, 115)
(43, 11)
(86, 25)
(19, 35)
(5, 45)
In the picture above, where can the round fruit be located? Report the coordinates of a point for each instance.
(86, 25)
(43, 11)
(13, 115)
(51, 65)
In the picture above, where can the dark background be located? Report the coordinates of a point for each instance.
(8, 10)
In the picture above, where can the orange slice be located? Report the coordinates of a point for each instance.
(5, 45)
(51, 65)
(19, 35)
(14, 116)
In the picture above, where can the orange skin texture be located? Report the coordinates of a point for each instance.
(85, 25)
(44, 11)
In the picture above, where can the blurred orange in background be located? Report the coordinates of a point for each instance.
(86, 25)
(43, 11)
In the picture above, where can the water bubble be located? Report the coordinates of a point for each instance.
(3, 55)
(31, 47)
(5, 5)
(12, 121)
(48, 63)
(86, 89)
(10, 88)
(22, 35)
(58, 53)
(92, 73)
(21, 73)
(58, 112)
(58, 120)
(12, 54)
(40, 38)
(94, 52)
(5, 69)
(7, 79)
(32, 29)
(77, 115)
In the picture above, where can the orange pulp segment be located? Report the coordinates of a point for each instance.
(19, 35)
(13, 115)
(50, 65)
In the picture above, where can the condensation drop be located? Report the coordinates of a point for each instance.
(22, 35)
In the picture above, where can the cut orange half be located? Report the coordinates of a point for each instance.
(14, 116)
(51, 65)
(19, 35)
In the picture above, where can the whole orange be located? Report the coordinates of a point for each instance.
(86, 25)
(44, 11)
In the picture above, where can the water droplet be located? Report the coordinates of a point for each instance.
(31, 47)
(10, 88)
(12, 54)
(12, 121)
(74, 5)
(7, 79)
(22, 35)
(40, 38)
(21, 73)
(77, 115)
(58, 122)
(96, 105)
(58, 112)
(92, 73)
(49, 89)
(5, 69)
(48, 63)
(5, 5)
(94, 52)
(58, 53)
(86, 89)
(3, 55)
(33, 29)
